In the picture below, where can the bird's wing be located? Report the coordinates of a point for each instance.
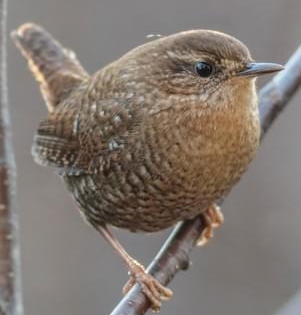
(84, 140)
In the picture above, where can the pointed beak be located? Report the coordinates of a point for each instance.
(253, 69)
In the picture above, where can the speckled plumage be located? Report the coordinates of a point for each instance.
(165, 168)
(146, 141)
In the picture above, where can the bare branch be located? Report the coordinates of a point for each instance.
(174, 255)
(10, 289)
(278, 92)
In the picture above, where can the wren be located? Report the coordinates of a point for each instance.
(156, 137)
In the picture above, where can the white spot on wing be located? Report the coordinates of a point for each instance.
(114, 145)
(93, 107)
(117, 119)
(75, 124)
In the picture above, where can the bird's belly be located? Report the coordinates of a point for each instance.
(148, 207)
(162, 189)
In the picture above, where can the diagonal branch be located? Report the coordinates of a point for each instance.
(174, 255)
(10, 290)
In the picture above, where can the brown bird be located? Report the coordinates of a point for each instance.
(156, 137)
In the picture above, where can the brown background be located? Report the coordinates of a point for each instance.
(253, 266)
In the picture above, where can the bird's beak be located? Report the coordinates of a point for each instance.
(253, 69)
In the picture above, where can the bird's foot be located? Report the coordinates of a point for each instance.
(151, 287)
(213, 219)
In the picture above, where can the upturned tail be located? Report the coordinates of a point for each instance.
(56, 68)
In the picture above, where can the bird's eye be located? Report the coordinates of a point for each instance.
(203, 69)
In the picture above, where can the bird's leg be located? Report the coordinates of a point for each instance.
(213, 219)
(154, 290)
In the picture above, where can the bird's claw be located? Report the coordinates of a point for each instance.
(151, 287)
(213, 219)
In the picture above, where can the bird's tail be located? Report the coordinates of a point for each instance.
(56, 68)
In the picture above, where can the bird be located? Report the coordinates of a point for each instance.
(158, 136)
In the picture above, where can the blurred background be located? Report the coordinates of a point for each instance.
(253, 265)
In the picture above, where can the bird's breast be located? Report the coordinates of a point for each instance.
(207, 152)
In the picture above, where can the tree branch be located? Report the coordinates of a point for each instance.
(174, 255)
(10, 289)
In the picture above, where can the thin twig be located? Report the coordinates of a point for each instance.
(174, 255)
(10, 288)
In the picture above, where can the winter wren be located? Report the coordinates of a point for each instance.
(154, 138)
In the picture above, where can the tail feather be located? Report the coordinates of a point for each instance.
(56, 69)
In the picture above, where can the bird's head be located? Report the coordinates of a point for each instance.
(202, 65)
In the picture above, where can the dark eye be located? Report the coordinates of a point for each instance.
(203, 69)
